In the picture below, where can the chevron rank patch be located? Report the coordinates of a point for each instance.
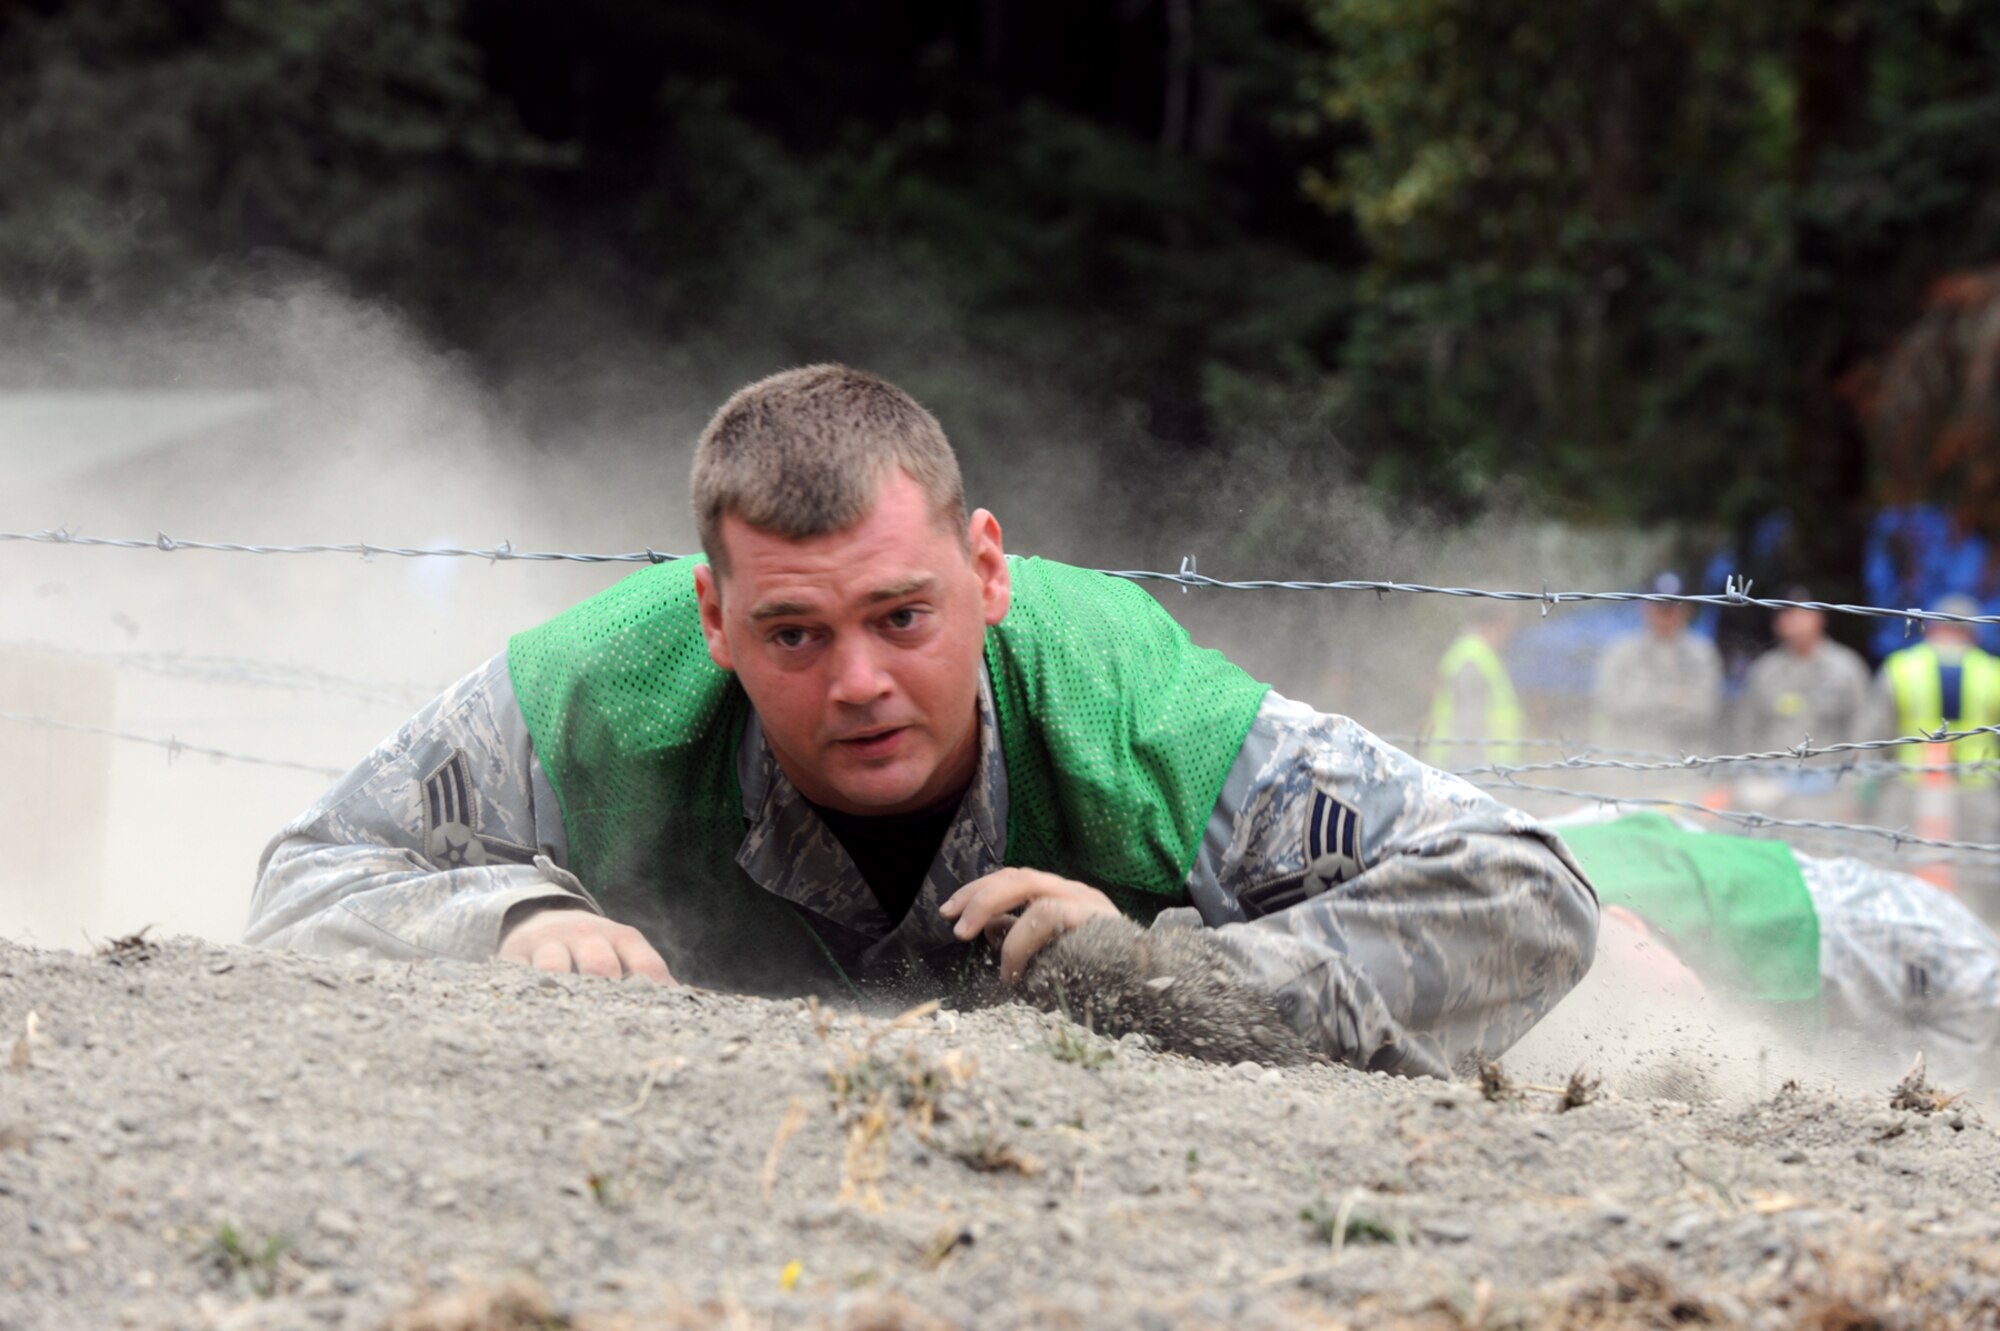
(1333, 840)
(451, 821)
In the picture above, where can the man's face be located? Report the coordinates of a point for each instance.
(1667, 620)
(1800, 630)
(860, 649)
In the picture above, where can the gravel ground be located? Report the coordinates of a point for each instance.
(195, 1135)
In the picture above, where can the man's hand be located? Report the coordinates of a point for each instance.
(578, 940)
(1054, 905)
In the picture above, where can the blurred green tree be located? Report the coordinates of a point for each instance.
(1629, 249)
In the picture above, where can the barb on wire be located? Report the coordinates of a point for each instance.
(173, 746)
(1736, 596)
(1746, 818)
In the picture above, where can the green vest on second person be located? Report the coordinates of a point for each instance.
(1916, 677)
(1735, 909)
(1117, 732)
(1504, 721)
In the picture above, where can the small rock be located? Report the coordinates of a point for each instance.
(1679, 1233)
(1444, 1231)
(1884, 1124)
(1070, 1230)
(222, 968)
(1611, 1215)
(1249, 1069)
(1731, 1310)
(335, 1223)
(1792, 1157)
(1864, 1156)
(1271, 1077)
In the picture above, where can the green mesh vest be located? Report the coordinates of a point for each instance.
(1116, 729)
(1735, 909)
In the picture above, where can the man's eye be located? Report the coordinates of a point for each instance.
(789, 638)
(906, 618)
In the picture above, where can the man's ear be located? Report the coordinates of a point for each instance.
(989, 561)
(708, 591)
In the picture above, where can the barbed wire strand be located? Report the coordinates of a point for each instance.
(1736, 594)
(235, 670)
(1798, 753)
(1900, 837)
(1748, 766)
(174, 747)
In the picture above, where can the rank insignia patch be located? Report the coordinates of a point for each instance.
(451, 821)
(1333, 840)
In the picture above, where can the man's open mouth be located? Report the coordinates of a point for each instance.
(873, 741)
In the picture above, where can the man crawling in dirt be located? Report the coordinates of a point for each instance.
(860, 748)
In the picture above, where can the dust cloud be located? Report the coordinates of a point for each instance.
(295, 417)
(299, 415)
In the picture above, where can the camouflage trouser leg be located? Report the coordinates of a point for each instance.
(1906, 966)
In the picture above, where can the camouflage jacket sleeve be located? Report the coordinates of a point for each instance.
(424, 847)
(1404, 920)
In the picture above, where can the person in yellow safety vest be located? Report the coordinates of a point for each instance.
(1475, 698)
(1945, 680)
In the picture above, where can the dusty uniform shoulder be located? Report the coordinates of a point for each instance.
(1408, 921)
(427, 843)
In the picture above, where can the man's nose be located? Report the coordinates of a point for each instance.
(858, 676)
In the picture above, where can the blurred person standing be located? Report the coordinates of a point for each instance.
(1475, 698)
(1945, 682)
(1808, 687)
(1661, 688)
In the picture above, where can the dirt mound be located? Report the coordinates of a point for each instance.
(202, 1136)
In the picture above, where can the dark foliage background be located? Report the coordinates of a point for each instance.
(1614, 258)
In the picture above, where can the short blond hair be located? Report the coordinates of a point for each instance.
(806, 452)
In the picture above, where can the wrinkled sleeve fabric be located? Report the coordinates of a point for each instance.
(1403, 920)
(424, 848)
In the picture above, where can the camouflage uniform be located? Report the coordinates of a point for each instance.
(1657, 694)
(1905, 966)
(1401, 919)
(1787, 697)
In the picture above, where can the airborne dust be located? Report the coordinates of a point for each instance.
(299, 416)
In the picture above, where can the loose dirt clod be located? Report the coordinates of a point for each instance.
(1581, 1089)
(130, 950)
(515, 1305)
(1174, 986)
(1494, 1085)
(1915, 1092)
